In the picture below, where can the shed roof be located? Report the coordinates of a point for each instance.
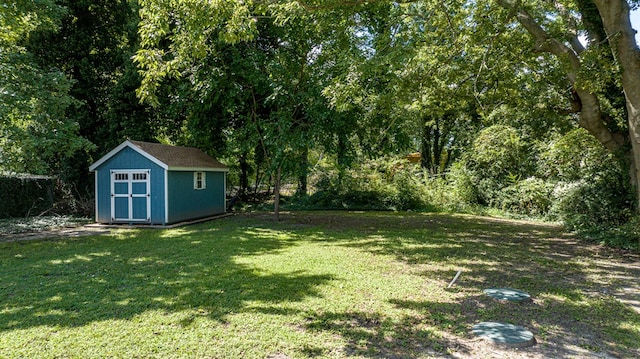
(168, 157)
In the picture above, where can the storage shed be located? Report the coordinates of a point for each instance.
(152, 183)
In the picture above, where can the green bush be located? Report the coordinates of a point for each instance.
(626, 236)
(497, 153)
(497, 160)
(350, 192)
(593, 188)
(22, 196)
(573, 156)
(409, 191)
(461, 185)
(452, 191)
(385, 184)
(604, 200)
(531, 197)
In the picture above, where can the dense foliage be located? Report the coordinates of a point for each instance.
(515, 106)
(565, 180)
(25, 196)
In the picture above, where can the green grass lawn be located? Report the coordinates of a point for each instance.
(316, 284)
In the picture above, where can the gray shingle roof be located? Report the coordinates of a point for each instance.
(180, 157)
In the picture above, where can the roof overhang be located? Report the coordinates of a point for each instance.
(151, 158)
(120, 147)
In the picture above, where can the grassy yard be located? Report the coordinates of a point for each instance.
(316, 284)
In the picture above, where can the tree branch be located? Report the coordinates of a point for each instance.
(591, 117)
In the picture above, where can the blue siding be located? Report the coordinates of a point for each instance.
(185, 202)
(128, 159)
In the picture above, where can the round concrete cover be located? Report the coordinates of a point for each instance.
(509, 294)
(503, 334)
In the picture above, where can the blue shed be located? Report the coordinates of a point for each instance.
(152, 183)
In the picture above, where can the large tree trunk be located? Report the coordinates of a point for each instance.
(589, 105)
(433, 144)
(425, 158)
(621, 37)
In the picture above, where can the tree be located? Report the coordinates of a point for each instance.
(92, 46)
(561, 39)
(493, 55)
(270, 90)
(35, 133)
(555, 27)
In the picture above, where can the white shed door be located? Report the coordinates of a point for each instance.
(130, 196)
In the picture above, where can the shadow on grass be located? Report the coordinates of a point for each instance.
(74, 282)
(577, 287)
(373, 335)
(566, 328)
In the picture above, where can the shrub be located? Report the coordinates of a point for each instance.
(605, 200)
(531, 197)
(626, 236)
(461, 185)
(452, 191)
(573, 156)
(498, 152)
(409, 191)
(593, 189)
(498, 159)
(378, 184)
(350, 192)
(22, 196)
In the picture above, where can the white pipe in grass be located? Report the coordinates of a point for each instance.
(454, 279)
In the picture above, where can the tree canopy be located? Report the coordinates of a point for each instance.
(289, 86)
(34, 132)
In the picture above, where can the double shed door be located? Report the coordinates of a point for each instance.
(130, 196)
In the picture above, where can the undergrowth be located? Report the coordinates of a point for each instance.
(37, 224)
